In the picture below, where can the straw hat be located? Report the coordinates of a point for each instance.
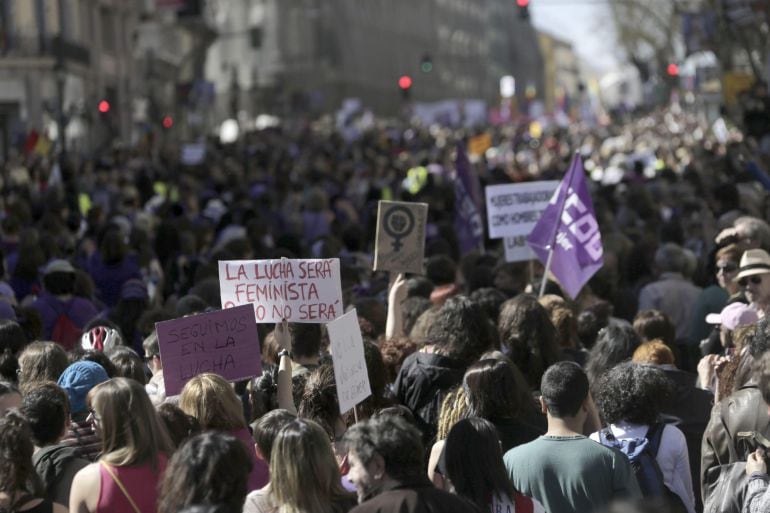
(753, 261)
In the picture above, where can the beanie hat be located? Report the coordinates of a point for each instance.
(78, 379)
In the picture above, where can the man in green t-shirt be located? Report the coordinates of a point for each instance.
(563, 469)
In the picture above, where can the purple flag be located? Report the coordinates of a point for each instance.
(468, 221)
(568, 224)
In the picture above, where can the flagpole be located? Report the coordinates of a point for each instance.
(556, 229)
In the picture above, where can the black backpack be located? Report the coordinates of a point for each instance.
(641, 452)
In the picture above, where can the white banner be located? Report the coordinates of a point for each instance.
(517, 249)
(350, 372)
(514, 209)
(295, 290)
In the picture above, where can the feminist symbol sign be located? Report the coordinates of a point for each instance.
(400, 241)
(399, 223)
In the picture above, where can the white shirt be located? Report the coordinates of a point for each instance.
(672, 457)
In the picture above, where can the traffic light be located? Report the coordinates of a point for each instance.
(167, 122)
(104, 106)
(672, 70)
(405, 84)
(426, 64)
(523, 9)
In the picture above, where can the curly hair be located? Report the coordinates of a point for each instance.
(633, 393)
(210, 468)
(394, 352)
(527, 331)
(453, 408)
(398, 442)
(17, 474)
(460, 330)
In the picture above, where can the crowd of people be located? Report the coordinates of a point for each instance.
(647, 392)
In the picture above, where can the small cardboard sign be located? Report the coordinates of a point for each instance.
(298, 290)
(514, 209)
(517, 249)
(223, 342)
(400, 241)
(350, 374)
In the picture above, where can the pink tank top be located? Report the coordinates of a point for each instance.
(141, 483)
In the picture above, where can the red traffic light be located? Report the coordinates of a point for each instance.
(167, 122)
(672, 70)
(405, 82)
(104, 106)
(522, 3)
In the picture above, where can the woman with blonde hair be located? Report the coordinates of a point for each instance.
(301, 449)
(211, 399)
(135, 449)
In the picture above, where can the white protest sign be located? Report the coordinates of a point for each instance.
(517, 249)
(350, 372)
(514, 209)
(295, 290)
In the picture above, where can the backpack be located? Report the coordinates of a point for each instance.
(65, 331)
(641, 452)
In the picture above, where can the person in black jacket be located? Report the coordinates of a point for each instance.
(458, 336)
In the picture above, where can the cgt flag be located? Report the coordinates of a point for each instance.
(567, 235)
(468, 222)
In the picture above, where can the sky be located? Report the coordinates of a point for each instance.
(584, 23)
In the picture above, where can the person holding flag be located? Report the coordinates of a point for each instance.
(567, 238)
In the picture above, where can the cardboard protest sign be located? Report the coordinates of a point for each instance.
(517, 249)
(400, 241)
(514, 209)
(295, 290)
(350, 372)
(223, 342)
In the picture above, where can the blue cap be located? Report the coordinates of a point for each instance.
(78, 379)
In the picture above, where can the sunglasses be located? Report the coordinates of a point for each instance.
(729, 268)
(756, 280)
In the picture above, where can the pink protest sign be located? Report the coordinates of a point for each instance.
(223, 342)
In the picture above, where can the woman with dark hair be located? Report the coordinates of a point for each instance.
(629, 397)
(614, 344)
(128, 364)
(208, 469)
(493, 392)
(528, 337)
(458, 335)
(476, 470)
(20, 488)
